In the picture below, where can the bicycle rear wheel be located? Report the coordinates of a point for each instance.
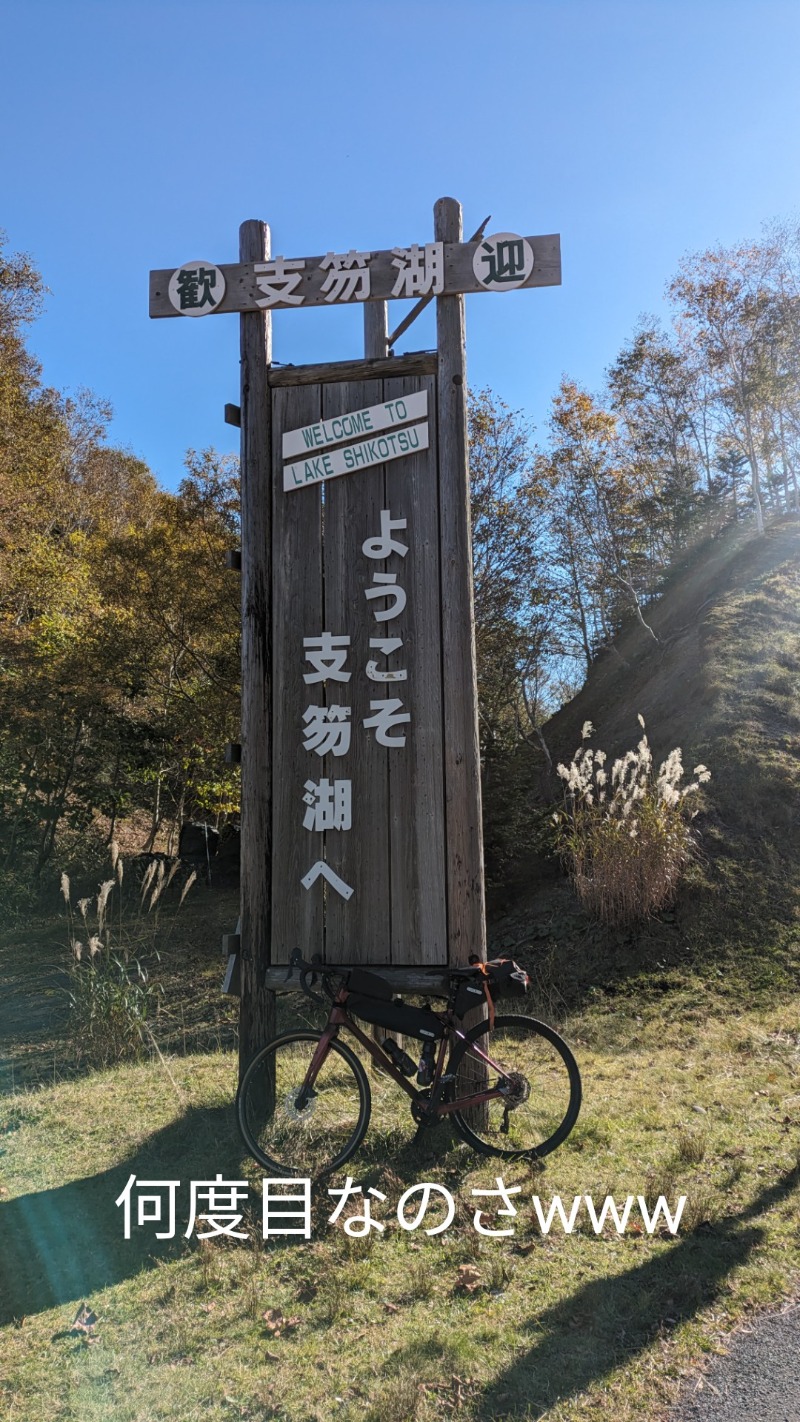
(320, 1135)
(542, 1097)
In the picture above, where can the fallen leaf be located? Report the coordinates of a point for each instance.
(277, 1323)
(84, 1320)
(468, 1279)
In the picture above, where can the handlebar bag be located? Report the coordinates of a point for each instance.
(396, 1016)
(504, 977)
(507, 978)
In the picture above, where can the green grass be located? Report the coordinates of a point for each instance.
(561, 1327)
(688, 1039)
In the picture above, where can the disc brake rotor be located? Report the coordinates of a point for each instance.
(290, 1108)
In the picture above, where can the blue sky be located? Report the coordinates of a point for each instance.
(140, 135)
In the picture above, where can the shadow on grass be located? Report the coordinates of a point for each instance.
(67, 1243)
(609, 1322)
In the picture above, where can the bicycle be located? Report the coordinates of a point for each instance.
(303, 1104)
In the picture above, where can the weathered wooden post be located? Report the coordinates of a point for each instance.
(257, 1003)
(376, 330)
(464, 827)
(465, 891)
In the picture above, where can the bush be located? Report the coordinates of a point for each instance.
(112, 997)
(110, 1002)
(625, 837)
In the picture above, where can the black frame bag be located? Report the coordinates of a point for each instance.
(396, 1016)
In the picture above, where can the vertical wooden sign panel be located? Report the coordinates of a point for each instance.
(298, 611)
(372, 890)
(377, 845)
(358, 929)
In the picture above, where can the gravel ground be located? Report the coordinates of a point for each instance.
(758, 1380)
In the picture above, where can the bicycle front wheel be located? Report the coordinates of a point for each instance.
(541, 1088)
(313, 1137)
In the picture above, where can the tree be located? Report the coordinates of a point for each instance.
(726, 308)
(512, 592)
(655, 396)
(598, 497)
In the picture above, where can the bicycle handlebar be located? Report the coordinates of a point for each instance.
(315, 969)
(324, 971)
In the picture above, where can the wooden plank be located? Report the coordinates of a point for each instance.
(297, 915)
(328, 372)
(257, 1012)
(358, 929)
(465, 889)
(242, 292)
(431, 982)
(416, 773)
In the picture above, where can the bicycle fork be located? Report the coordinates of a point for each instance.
(307, 1092)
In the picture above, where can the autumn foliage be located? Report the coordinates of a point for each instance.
(119, 622)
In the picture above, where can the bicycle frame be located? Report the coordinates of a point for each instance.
(429, 1105)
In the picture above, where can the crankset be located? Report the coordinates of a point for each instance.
(419, 1111)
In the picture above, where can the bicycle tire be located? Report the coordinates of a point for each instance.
(561, 1109)
(264, 1132)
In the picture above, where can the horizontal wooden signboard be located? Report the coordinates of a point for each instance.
(501, 261)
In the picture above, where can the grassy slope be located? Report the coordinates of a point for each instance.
(724, 685)
(688, 1044)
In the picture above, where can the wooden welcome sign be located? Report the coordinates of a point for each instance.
(361, 812)
(358, 725)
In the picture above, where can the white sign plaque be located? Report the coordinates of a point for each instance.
(359, 422)
(503, 261)
(196, 288)
(328, 464)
